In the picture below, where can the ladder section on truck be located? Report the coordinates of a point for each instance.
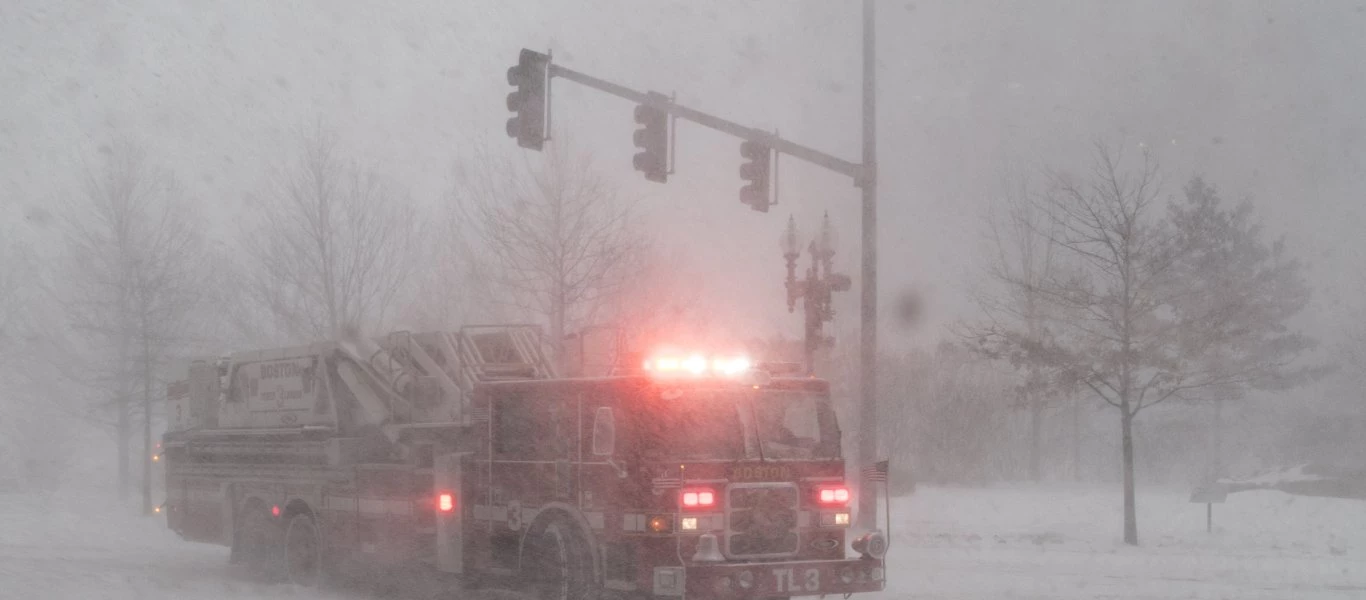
(456, 361)
(501, 352)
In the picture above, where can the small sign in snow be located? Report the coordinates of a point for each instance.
(1209, 494)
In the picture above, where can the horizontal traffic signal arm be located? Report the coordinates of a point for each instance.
(855, 171)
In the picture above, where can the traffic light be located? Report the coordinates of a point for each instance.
(528, 101)
(756, 172)
(652, 139)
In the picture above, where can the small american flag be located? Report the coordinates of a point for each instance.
(877, 472)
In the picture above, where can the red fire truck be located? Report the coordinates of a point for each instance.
(689, 475)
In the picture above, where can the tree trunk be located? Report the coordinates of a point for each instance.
(557, 333)
(1035, 438)
(1076, 438)
(1130, 517)
(1217, 440)
(146, 429)
(125, 435)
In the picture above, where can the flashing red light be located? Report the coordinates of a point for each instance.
(833, 495)
(697, 364)
(699, 498)
(275, 510)
(445, 502)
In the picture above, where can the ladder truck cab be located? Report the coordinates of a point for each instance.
(463, 454)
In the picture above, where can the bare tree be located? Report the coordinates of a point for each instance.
(666, 298)
(550, 239)
(135, 272)
(331, 248)
(1017, 315)
(1143, 323)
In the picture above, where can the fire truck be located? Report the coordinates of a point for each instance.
(686, 475)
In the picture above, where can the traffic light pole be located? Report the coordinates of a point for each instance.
(864, 176)
(867, 439)
(663, 103)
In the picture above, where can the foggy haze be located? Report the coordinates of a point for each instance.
(1263, 100)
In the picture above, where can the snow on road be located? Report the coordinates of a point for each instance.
(59, 546)
(948, 544)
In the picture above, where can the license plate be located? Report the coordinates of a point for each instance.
(796, 580)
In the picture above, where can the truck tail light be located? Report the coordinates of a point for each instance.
(833, 496)
(445, 502)
(698, 498)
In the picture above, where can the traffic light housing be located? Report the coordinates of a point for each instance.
(757, 173)
(652, 141)
(528, 101)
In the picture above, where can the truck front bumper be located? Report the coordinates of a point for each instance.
(770, 579)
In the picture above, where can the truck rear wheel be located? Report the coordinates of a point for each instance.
(556, 563)
(303, 552)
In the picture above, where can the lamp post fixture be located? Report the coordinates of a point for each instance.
(815, 290)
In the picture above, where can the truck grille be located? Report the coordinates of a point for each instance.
(762, 520)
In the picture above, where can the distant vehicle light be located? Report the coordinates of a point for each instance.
(275, 510)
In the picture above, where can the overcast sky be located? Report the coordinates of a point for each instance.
(1268, 100)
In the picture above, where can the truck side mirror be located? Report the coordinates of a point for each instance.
(604, 432)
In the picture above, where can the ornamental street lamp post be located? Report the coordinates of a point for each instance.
(816, 289)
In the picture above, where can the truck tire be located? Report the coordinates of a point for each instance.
(556, 563)
(260, 541)
(303, 551)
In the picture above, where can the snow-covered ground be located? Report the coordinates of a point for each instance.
(948, 543)
(1066, 543)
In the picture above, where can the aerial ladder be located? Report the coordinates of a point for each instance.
(406, 387)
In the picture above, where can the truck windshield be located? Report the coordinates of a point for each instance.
(692, 424)
(793, 425)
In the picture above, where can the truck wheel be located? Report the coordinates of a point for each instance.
(556, 564)
(260, 540)
(303, 551)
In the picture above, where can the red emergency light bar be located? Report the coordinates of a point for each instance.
(697, 365)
